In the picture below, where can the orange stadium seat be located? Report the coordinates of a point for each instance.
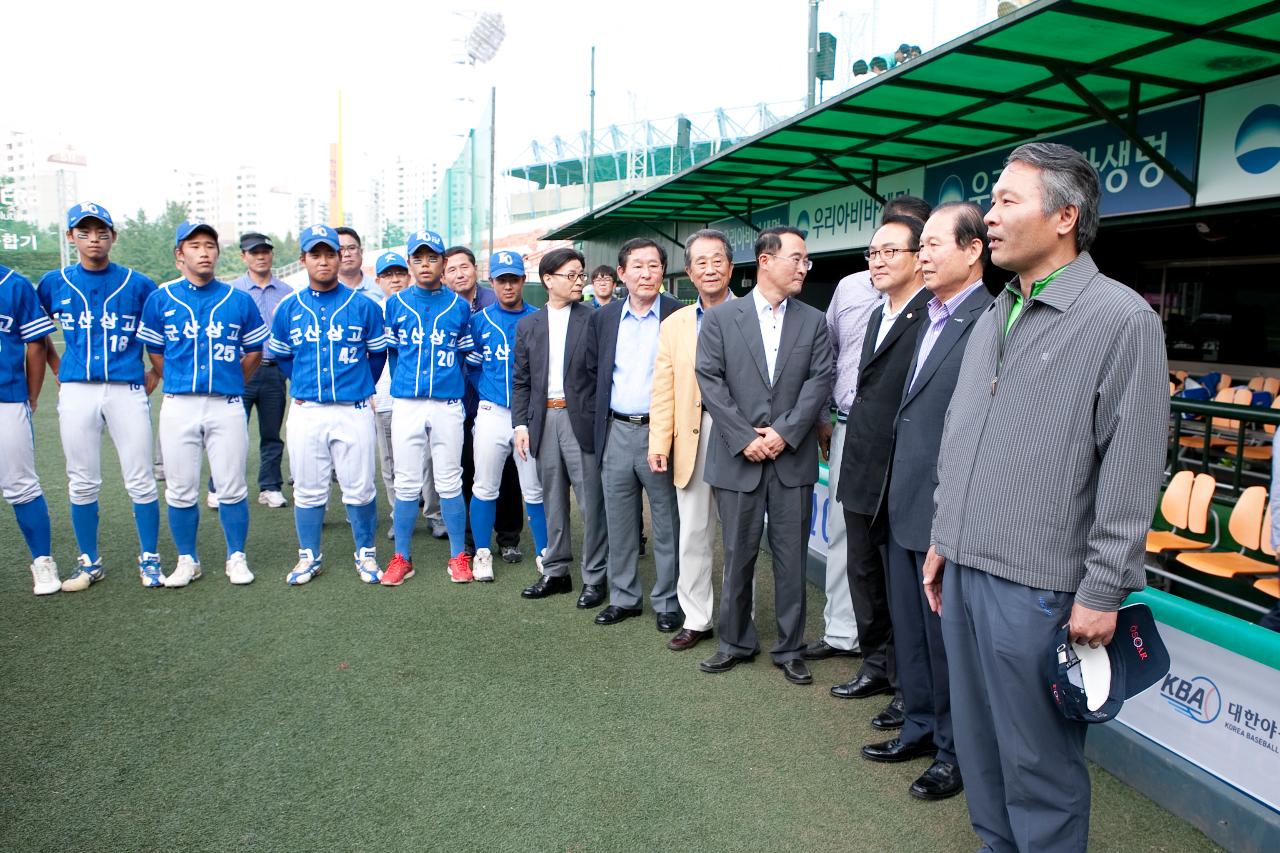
(1185, 507)
(1259, 452)
(1271, 586)
(1250, 526)
(1222, 427)
(1272, 385)
(1255, 384)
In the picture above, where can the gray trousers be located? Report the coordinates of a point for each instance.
(1025, 776)
(561, 464)
(742, 522)
(625, 472)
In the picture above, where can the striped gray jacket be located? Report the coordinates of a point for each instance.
(1051, 461)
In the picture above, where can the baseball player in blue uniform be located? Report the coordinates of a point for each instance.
(332, 343)
(23, 328)
(205, 339)
(430, 331)
(99, 306)
(493, 332)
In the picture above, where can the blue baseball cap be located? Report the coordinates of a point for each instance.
(390, 260)
(314, 235)
(1090, 685)
(429, 239)
(505, 263)
(190, 227)
(88, 210)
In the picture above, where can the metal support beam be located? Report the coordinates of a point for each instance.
(852, 178)
(744, 220)
(664, 235)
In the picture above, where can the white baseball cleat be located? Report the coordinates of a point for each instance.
(86, 573)
(482, 565)
(238, 569)
(187, 570)
(272, 498)
(44, 574)
(149, 570)
(367, 565)
(211, 501)
(307, 568)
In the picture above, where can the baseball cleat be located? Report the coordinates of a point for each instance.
(367, 565)
(459, 568)
(211, 500)
(307, 568)
(149, 570)
(398, 571)
(187, 570)
(482, 565)
(44, 576)
(238, 569)
(272, 498)
(86, 573)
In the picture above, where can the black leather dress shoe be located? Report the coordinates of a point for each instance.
(893, 751)
(892, 717)
(796, 671)
(547, 585)
(686, 639)
(821, 650)
(613, 614)
(940, 781)
(668, 622)
(592, 596)
(861, 687)
(722, 662)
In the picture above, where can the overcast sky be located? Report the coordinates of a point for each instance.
(146, 88)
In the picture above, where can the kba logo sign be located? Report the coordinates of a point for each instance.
(1197, 698)
(1258, 140)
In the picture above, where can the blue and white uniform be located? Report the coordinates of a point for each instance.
(22, 322)
(494, 332)
(430, 332)
(203, 332)
(101, 376)
(332, 343)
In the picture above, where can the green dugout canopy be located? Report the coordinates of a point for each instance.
(1049, 67)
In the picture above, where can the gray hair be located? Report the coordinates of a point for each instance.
(968, 226)
(1066, 178)
(707, 234)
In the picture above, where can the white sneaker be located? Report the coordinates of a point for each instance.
(44, 574)
(272, 498)
(307, 568)
(482, 565)
(238, 569)
(537, 561)
(187, 570)
(211, 501)
(367, 565)
(86, 573)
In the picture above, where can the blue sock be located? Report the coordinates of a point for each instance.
(454, 510)
(235, 524)
(184, 524)
(310, 523)
(364, 523)
(403, 516)
(147, 518)
(483, 514)
(84, 521)
(537, 525)
(33, 520)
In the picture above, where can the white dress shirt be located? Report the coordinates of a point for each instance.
(557, 338)
(887, 319)
(770, 327)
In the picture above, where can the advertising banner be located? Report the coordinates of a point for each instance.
(846, 218)
(1240, 148)
(743, 237)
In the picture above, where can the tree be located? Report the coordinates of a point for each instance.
(393, 234)
(147, 246)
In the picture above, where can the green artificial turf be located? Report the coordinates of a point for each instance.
(339, 716)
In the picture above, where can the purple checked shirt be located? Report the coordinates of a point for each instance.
(266, 298)
(939, 314)
(847, 318)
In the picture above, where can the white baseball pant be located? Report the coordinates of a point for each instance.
(331, 438)
(192, 424)
(18, 478)
(417, 423)
(492, 442)
(84, 408)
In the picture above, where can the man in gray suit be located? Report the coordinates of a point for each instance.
(552, 414)
(953, 254)
(765, 370)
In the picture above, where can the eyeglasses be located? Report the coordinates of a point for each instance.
(888, 254)
(795, 259)
(715, 261)
(571, 276)
(349, 250)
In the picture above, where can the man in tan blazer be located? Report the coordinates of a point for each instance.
(679, 429)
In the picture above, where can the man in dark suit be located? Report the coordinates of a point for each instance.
(765, 369)
(864, 467)
(953, 252)
(552, 415)
(621, 347)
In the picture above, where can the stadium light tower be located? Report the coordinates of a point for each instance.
(481, 45)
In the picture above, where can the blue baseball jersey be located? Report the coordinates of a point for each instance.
(430, 333)
(202, 332)
(22, 321)
(329, 335)
(493, 331)
(99, 312)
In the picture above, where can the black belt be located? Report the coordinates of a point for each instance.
(631, 419)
